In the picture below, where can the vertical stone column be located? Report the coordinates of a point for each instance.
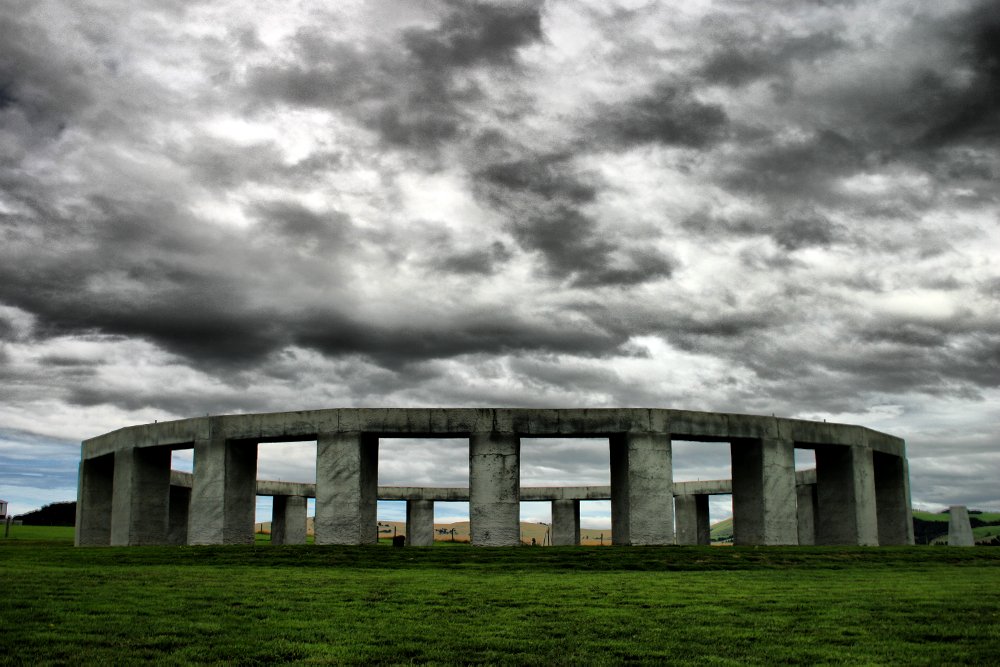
(141, 501)
(346, 488)
(806, 494)
(764, 492)
(288, 520)
(641, 489)
(224, 492)
(180, 504)
(565, 523)
(420, 523)
(892, 499)
(691, 515)
(494, 489)
(959, 527)
(845, 496)
(94, 494)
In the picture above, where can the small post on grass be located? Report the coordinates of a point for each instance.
(6, 529)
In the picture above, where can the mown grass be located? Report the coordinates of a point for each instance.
(41, 534)
(682, 605)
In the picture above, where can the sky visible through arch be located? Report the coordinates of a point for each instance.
(768, 207)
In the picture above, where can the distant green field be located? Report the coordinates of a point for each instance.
(561, 605)
(987, 517)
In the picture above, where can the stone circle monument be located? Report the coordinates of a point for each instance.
(857, 495)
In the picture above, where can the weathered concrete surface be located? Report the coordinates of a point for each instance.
(223, 495)
(94, 501)
(494, 489)
(288, 520)
(845, 496)
(691, 514)
(420, 523)
(709, 487)
(462, 422)
(141, 498)
(959, 527)
(565, 523)
(806, 512)
(641, 489)
(764, 492)
(640, 494)
(346, 489)
(892, 499)
(180, 505)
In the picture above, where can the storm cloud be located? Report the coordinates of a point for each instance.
(205, 210)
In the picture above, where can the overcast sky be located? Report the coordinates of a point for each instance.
(764, 207)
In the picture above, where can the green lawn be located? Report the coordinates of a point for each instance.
(683, 605)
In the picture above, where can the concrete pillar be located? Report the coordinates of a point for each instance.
(224, 492)
(420, 523)
(94, 494)
(346, 488)
(565, 523)
(180, 504)
(845, 496)
(959, 527)
(495, 489)
(764, 492)
(641, 489)
(288, 519)
(691, 515)
(806, 510)
(892, 499)
(141, 500)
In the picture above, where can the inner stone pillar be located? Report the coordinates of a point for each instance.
(224, 492)
(565, 523)
(764, 492)
(845, 496)
(494, 489)
(806, 494)
(892, 499)
(180, 504)
(346, 488)
(288, 520)
(141, 500)
(691, 515)
(94, 494)
(641, 489)
(420, 523)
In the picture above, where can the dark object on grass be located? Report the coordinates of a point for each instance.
(399, 540)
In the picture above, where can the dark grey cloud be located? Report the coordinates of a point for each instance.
(967, 109)
(572, 245)
(544, 198)
(412, 93)
(479, 331)
(799, 170)
(795, 230)
(668, 114)
(741, 58)
(759, 211)
(39, 87)
(476, 33)
(302, 230)
(486, 261)
(547, 176)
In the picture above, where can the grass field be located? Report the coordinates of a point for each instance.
(682, 605)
